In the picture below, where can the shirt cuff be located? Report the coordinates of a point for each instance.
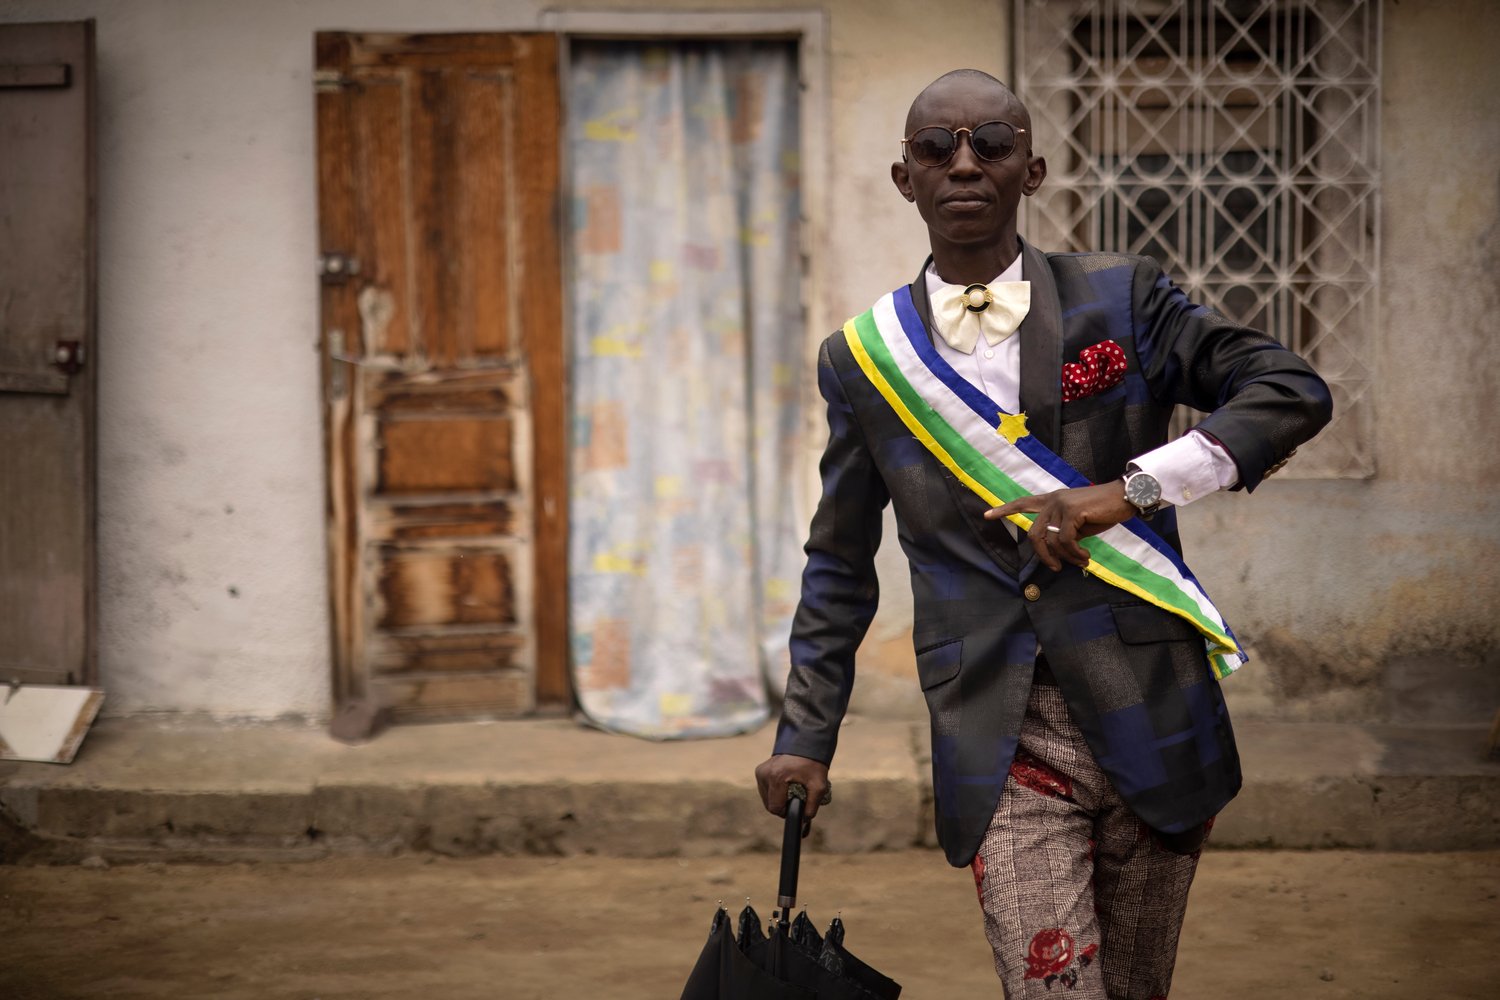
(1189, 468)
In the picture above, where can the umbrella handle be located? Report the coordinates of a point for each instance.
(791, 851)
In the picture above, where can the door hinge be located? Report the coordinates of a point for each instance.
(330, 81)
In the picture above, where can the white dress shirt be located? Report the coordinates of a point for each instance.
(1188, 468)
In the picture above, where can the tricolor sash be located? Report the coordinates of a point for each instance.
(993, 454)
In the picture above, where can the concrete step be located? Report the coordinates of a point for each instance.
(144, 790)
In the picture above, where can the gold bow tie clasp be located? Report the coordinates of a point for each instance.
(977, 297)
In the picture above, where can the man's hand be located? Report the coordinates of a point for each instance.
(1077, 513)
(775, 773)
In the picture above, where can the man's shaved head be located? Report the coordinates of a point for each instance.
(915, 118)
(968, 201)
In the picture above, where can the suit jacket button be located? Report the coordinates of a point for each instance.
(1032, 592)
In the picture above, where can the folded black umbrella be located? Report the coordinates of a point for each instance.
(793, 961)
(725, 972)
(832, 955)
(836, 958)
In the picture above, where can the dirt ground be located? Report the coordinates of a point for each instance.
(1321, 925)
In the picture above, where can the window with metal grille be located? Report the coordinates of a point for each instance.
(1237, 142)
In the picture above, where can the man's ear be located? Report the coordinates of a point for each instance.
(902, 178)
(1036, 172)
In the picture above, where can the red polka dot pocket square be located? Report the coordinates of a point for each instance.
(1097, 369)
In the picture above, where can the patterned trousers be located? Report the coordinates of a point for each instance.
(1079, 899)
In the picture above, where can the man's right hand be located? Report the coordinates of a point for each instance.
(775, 773)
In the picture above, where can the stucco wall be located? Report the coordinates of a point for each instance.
(212, 589)
(212, 573)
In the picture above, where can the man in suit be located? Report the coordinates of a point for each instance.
(1080, 744)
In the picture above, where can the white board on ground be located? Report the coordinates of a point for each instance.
(45, 722)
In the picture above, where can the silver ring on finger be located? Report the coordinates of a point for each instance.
(1054, 529)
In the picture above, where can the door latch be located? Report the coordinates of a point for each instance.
(67, 357)
(337, 268)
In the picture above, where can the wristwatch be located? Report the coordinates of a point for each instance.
(1142, 490)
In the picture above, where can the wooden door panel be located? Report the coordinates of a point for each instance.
(477, 391)
(449, 652)
(460, 453)
(487, 313)
(423, 698)
(448, 586)
(413, 521)
(462, 202)
(45, 551)
(442, 370)
(47, 300)
(379, 117)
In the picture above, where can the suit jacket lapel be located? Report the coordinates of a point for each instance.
(1041, 351)
(919, 299)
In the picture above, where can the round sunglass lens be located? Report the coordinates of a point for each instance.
(932, 147)
(993, 140)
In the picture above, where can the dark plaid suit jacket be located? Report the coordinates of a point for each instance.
(1136, 679)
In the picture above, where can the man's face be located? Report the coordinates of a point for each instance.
(969, 201)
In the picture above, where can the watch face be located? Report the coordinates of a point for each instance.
(1143, 490)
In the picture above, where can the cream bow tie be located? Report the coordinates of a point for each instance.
(961, 313)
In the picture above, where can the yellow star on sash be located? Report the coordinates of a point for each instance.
(1012, 426)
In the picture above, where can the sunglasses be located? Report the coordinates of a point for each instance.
(934, 145)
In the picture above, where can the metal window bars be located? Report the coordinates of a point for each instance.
(1237, 142)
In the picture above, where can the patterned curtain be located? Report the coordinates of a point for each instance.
(686, 363)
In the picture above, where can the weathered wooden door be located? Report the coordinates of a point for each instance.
(442, 372)
(47, 353)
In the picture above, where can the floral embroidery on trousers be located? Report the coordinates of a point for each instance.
(1077, 901)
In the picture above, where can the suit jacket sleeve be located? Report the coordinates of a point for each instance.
(1262, 400)
(839, 587)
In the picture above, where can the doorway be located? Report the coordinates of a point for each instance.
(451, 206)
